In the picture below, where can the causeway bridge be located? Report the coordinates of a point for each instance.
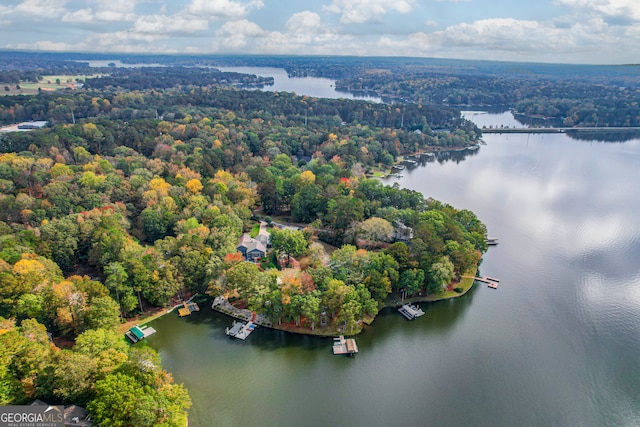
(561, 130)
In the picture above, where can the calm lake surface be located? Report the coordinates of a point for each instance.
(312, 86)
(558, 344)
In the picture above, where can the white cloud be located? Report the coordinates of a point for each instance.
(363, 11)
(166, 25)
(41, 8)
(115, 10)
(222, 9)
(498, 33)
(507, 39)
(629, 9)
(633, 31)
(4, 11)
(104, 11)
(46, 45)
(304, 34)
(302, 22)
(80, 15)
(234, 34)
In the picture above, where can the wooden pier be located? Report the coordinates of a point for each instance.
(241, 330)
(344, 346)
(411, 311)
(492, 282)
(188, 308)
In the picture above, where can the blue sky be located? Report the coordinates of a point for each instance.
(564, 31)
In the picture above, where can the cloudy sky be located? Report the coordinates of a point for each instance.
(574, 31)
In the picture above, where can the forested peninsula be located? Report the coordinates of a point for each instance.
(134, 198)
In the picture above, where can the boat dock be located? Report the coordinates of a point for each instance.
(241, 330)
(492, 282)
(411, 311)
(188, 308)
(138, 333)
(344, 346)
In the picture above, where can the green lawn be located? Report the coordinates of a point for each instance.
(46, 83)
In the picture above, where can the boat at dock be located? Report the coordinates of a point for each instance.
(342, 345)
(492, 241)
(399, 167)
(411, 311)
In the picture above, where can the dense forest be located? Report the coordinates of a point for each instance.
(572, 101)
(573, 95)
(136, 195)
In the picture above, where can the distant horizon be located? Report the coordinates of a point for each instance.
(595, 32)
(103, 56)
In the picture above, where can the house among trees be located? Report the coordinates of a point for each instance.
(73, 415)
(77, 416)
(402, 233)
(264, 237)
(252, 249)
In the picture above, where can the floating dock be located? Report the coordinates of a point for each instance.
(241, 330)
(344, 346)
(411, 311)
(188, 308)
(138, 333)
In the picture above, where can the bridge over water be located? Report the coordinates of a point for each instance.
(561, 130)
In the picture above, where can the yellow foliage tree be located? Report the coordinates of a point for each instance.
(308, 177)
(194, 186)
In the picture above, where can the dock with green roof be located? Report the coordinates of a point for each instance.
(138, 333)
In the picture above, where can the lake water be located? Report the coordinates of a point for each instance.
(319, 87)
(558, 344)
(484, 119)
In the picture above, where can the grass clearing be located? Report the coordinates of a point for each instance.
(47, 83)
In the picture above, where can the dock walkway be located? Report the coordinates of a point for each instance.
(241, 330)
(411, 311)
(222, 305)
(492, 282)
(138, 333)
(344, 346)
(188, 308)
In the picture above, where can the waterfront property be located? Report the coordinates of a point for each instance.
(562, 350)
(411, 311)
(138, 333)
(342, 345)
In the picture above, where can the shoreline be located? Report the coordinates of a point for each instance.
(245, 315)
